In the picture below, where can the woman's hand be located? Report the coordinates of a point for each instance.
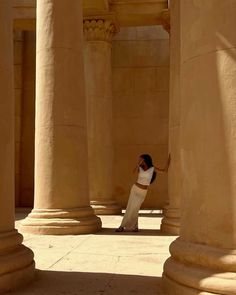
(140, 162)
(137, 166)
(167, 164)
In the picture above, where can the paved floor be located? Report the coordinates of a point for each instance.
(106, 263)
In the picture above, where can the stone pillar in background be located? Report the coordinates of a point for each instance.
(203, 259)
(98, 35)
(16, 261)
(171, 221)
(28, 124)
(61, 160)
(18, 53)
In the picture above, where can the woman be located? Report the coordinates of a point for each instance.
(146, 175)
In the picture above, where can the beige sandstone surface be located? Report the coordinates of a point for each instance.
(61, 198)
(127, 78)
(203, 259)
(140, 68)
(16, 260)
(161, 97)
(102, 263)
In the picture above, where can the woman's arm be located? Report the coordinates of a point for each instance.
(137, 166)
(166, 166)
(159, 169)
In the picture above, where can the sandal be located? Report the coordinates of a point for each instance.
(120, 229)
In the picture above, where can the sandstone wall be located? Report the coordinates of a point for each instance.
(140, 107)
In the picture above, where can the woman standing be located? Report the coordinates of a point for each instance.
(146, 175)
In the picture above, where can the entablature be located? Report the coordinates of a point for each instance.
(24, 14)
(138, 12)
(128, 12)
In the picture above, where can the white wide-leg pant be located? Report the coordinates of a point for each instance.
(136, 198)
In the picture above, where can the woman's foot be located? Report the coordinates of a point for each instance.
(135, 230)
(120, 229)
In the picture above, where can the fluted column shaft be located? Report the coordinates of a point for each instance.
(61, 168)
(171, 221)
(203, 259)
(16, 261)
(98, 35)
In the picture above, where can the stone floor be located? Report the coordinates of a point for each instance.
(104, 263)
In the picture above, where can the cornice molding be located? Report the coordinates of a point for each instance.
(165, 19)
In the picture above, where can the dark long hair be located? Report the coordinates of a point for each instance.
(148, 160)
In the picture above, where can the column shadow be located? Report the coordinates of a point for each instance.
(151, 214)
(86, 283)
(141, 232)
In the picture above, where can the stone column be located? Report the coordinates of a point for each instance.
(18, 60)
(61, 160)
(28, 124)
(203, 258)
(98, 35)
(16, 261)
(171, 221)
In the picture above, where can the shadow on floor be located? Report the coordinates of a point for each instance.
(141, 232)
(22, 212)
(83, 283)
(152, 215)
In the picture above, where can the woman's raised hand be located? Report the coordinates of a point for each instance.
(167, 164)
(140, 162)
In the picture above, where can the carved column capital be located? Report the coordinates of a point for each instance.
(99, 29)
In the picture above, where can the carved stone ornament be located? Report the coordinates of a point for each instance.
(99, 30)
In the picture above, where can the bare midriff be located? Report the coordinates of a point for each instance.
(142, 186)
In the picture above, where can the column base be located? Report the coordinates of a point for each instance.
(171, 221)
(16, 262)
(171, 287)
(105, 207)
(196, 269)
(61, 222)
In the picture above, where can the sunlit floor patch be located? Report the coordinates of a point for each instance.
(103, 263)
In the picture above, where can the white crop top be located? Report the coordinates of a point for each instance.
(145, 177)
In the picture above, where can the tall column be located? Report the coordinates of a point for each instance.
(61, 160)
(28, 124)
(203, 258)
(98, 35)
(18, 55)
(171, 221)
(16, 261)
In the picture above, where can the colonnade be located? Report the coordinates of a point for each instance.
(201, 134)
(68, 148)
